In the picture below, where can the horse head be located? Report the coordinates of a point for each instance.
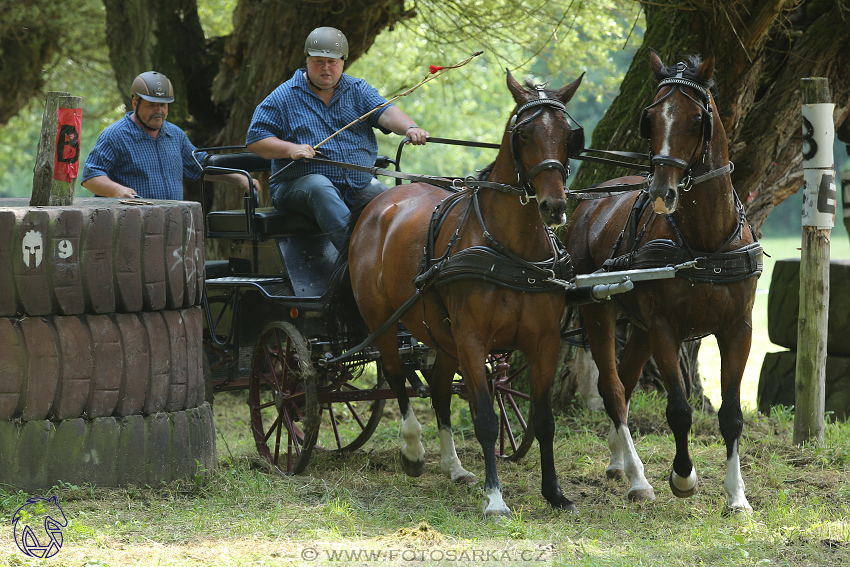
(542, 141)
(679, 125)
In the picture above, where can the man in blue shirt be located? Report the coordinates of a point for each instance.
(143, 155)
(315, 103)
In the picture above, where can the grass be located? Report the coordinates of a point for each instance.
(360, 509)
(709, 356)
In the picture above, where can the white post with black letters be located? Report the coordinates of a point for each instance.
(819, 201)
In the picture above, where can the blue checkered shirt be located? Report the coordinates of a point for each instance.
(154, 167)
(293, 113)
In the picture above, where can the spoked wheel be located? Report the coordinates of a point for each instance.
(516, 433)
(282, 398)
(351, 409)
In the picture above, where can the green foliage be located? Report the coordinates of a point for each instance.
(542, 40)
(81, 68)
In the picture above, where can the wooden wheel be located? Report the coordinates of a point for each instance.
(282, 398)
(350, 408)
(516, 433)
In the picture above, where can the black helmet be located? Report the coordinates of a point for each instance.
(153, 87)
(326, 42)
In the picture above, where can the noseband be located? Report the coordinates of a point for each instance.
(524, 176)
(705, 135)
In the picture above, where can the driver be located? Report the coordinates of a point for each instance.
(315, 103)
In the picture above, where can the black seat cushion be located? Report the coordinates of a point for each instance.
(268, 221)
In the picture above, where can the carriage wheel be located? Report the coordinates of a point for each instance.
(282, 398)
(516, 433)
(351, 411)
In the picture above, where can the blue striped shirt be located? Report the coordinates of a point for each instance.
(293, 113)
(154, 167)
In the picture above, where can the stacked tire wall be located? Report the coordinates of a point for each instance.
(778, 372)
(101, 375)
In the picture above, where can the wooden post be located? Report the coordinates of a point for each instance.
(59, 144)
(819, 200)
(845, 193)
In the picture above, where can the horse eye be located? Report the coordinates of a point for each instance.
(523, 135)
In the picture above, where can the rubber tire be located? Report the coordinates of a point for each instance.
(100, 256)
(783, 305)
(93, 366)
(108, 451)
(778, 376)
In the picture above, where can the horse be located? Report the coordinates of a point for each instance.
(695, 215)
(477, 288)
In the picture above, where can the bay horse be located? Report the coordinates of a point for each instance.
(492, 229)
(686, 210)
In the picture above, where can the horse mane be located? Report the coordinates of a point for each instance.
(691, 73)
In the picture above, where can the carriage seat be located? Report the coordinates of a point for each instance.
(267, 221)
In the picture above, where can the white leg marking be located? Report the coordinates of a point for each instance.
(449, 463)
(494, 505)
(411, 432)
(615, 468)
(734, 484)
(639, 487)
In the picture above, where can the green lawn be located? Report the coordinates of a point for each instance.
(709, 357)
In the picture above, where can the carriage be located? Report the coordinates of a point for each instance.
(492, 279)
(265, 332)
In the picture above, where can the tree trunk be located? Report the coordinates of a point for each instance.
(762, 49)
(219, 82)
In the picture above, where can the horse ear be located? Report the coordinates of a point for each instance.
(655, 62)
(519, 93)
(706, 70)
(566, 93)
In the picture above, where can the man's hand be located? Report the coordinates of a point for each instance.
(302, 151)
(417, 136)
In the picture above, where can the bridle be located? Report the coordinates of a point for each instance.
(574, 147)
(705, 135)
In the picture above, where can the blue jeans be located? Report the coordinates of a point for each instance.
(316, 197)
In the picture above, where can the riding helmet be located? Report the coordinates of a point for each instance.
(153, 87)
(326, 42)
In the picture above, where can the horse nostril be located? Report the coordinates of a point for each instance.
(671, 195)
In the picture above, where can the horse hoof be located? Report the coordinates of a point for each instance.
(412, 468)
(683, 492)
(566, 505)
(467, 479)
(497, 513)
(615, 474)
(642, 495)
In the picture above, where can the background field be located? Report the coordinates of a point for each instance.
(779, 248)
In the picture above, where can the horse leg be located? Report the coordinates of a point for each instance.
(541, 373)
(600, 325)
(440, 380)
(486, 422)
(624, 458)
(412, 451)
(665, 350)
(734, 349)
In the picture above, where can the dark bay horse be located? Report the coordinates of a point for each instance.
(491, 223)
(687, 210)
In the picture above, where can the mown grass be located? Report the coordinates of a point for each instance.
(349, 508)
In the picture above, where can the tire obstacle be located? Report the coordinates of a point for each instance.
(778, 372)
(101, 365)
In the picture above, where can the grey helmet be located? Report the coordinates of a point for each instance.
(153, 87)
(326, 42)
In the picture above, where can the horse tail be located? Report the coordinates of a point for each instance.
(346, 326)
